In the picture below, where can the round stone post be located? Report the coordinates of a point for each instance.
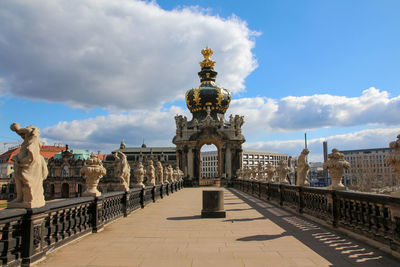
(336, 164)
(213, 204)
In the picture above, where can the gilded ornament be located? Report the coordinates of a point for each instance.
(219, 98)
(196, 96)
(207, 62)
(187, 99)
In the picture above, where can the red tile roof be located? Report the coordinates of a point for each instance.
(46, 151)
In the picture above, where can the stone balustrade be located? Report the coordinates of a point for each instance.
(367, 216)
(27, 235)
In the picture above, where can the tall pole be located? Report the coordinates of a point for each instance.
(305, 140)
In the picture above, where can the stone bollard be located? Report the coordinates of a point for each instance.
(213, 204)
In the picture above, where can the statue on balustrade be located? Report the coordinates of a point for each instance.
(138, 176)
(123, 170)
(239, 174)
(175, 175)
(270, 171)
(170, 172)
(150, 173)
(159, 173)
(246, 173)
(180, 174)
(302, 168)
(336, 165)
(165, 175)
(30, 169)
(282, 170)
(260, 172)
(393, 160)
(253, 173)
(92, 171)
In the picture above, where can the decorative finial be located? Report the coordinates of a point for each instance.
(207, 62)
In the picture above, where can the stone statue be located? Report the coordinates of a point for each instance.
(270, 171)
(253, 173)
(282, 171)
(239, 174)
(30, 169)
(150, 173)
(336, 164)
(92, 171)
(246, 173)
(165, 175)
(175, 177)
(260, 172)
(159, 173)
(303, 168)
(170, 172)
(181, 174)
(393, 159)
(138, 176)
(123, 170)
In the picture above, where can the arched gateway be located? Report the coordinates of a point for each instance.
(208, 104)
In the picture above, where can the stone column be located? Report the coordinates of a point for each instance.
(190, 164)
(228, 163)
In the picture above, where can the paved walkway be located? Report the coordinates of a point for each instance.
(254, 233)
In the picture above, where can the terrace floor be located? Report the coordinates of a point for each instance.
(171, 232)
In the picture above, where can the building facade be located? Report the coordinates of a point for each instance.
(368, 167)
(250, 158)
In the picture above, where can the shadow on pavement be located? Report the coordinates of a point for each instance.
(338, 249)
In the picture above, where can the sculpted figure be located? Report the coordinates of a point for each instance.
(270, 171)
(253, 173)
(92, 171)
(150, 173)
(303, 168)
(239, 174)
(30, 169)
(246, 173)
(175, 175)
(123, 170)
(166, 174)
(180, 175)
(170, 172)
(393, 159)
(138, 176)
(260, 172)
(282, 171)
(336, 164)
(159, 173)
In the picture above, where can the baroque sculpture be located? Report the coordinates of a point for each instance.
(170, 172)
(92, 171)
(159, 173)
(260, 172)
(393, 159)
(139, 176)
(30, 169)
(336, 164)
(123, 170)
(270, 171)
(282, 171)
(165, 175)
(302, 168)
(150, 173)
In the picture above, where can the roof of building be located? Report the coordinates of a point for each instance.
(367, 150)
(128, 150)
(78, 154)
(46, 151)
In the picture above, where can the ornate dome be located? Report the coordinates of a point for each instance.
(208, 97)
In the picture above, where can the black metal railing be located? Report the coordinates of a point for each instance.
(374, 216)
(26, 235)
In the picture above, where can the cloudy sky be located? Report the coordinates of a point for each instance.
(90, 73)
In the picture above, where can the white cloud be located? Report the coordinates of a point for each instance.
(370, 138)
(115, 54)
(373, 107)
(104, 133)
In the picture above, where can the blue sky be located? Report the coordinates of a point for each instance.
(91, 73)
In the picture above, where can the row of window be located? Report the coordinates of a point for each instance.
(246, 156)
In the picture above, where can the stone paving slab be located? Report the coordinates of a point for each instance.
(171, 232)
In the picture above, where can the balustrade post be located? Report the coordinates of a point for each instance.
(141, 196)
(259, 190)
(125, 200)
(333, 204)
(98, 223)
(280, 189)
(300, 199)
(33, 235)
(268, 191)
(395, 227)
